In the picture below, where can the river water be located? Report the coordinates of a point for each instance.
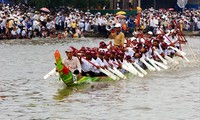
(172, 94)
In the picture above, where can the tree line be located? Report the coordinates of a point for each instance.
(82, 4)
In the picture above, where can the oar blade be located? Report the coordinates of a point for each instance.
(160, 64)
(109, 74)
(140, 68)
(152, 63)
(49, 74)
(161, 58)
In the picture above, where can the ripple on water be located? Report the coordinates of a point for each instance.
(172, 94)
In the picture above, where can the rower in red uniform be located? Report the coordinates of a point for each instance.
(87, 68)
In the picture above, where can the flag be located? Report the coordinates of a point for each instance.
(137, 20)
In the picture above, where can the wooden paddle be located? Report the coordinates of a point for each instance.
(109, 74)
(133, 69)
(127, 68)
(171, 60)
(151, 68)
(181, 53)
(159, 64)
(52, 72)
(152, 63)
(161, 58)
(140, 68)
(116, 71)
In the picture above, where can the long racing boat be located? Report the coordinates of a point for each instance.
(68, 78)
(113, 73)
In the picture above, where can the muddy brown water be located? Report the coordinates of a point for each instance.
(172, 94)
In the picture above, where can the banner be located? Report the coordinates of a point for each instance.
(182, 3)
(137, 20)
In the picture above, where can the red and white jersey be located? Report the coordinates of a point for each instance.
(148, 53)
(86, 66)
(114, 62)
(103, 49)
(140, 40)
(106, 63)
(166, 38)
(137, 61)
(169, 39)
(99, 61)
(159, 49)
(175, 40)
(168, 51)
(129, 51)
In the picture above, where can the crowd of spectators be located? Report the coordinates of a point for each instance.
(20, 21)
(152, 19)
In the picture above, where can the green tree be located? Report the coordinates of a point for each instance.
(84, 4)
(40, 3)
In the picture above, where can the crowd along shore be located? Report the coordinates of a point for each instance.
(22, 22)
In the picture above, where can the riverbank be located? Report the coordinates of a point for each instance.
(41, 41)
(186, 33)
(191, 33)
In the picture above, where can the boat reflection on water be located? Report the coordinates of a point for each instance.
(81, 88)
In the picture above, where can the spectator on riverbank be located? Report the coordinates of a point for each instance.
(198, 25)
(20, 21)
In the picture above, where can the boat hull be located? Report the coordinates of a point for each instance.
(67, 77)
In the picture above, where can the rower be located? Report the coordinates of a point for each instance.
(120, 61)
(128, 49)
(136, 57)
(140, 38)
(106, 57)
(103, 46)
(87, 67)
(128, 59)
(150, 35)
(146, 52)
(112, 59)
(158, 48)
(72, 62)
(172, 39)
(99, 61)
(135, 36)
(167, 51)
